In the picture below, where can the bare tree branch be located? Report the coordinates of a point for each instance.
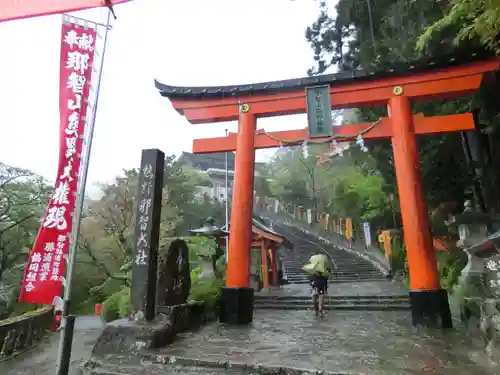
(16, 223)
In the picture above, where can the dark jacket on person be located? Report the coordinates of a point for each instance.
(319, 281)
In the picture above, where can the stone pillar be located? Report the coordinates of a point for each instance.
(147, 233)
(237, 296)
(428, 301)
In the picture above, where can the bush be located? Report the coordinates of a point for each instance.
(450, 266)
(117, 305)
(220, 267)
(195, 273)
(398, 259)
(201, 246)
(208, 291)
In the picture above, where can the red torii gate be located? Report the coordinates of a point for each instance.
(448, 77)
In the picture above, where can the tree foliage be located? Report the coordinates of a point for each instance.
(355, 34)
(377, 35)
(345, 185)
(23, 196)
(107, 233)
(467, 20)
(105, 246)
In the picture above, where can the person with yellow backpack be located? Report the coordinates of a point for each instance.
(319, 268)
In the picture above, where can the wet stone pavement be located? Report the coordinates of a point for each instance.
(375, 343)
(41, 360)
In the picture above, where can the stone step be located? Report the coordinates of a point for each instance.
(148, 367)
(153, 364)
(292, 270)
(355, 274)
(338, 270)
(354, 307)
(332, 282)
(301, 261)
(339, 266)
(338, 281)
(332, 279)
(344, 276)
(160, 370)
(400, 297)
(307, 302)
(301, 274)
(334, 276)
(336, 302)
(295, 273)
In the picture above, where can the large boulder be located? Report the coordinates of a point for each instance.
(174, 279)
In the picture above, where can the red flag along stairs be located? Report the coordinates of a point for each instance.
(351, 283)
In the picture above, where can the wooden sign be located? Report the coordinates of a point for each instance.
(319, 111)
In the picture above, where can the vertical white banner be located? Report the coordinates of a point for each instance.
(367, 233)
(309, 216)
(276, 205)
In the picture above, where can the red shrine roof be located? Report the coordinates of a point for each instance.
(260, 230)
(396, 69)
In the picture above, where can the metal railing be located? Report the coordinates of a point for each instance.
(21, 333)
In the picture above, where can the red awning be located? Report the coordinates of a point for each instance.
(17, 9)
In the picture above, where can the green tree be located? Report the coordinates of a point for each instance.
(23, 197)
(466, 20)
(377, 36)
(295, 176)
(107, 233)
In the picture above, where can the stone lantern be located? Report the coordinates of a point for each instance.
(481, 275)
(472, 227)
(208, 260)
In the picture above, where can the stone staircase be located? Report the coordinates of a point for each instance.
(350, 281)
(347, 266)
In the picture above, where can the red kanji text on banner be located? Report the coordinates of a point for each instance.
(46, 263)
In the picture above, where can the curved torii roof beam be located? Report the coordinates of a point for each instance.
(452, 76)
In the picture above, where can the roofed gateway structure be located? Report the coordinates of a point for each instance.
(396, 88)
(269, 242)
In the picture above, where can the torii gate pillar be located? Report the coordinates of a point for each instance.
(429, 302)
(237, 296)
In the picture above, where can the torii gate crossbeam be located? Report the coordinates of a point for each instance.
(447, 77)
(423, 125)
